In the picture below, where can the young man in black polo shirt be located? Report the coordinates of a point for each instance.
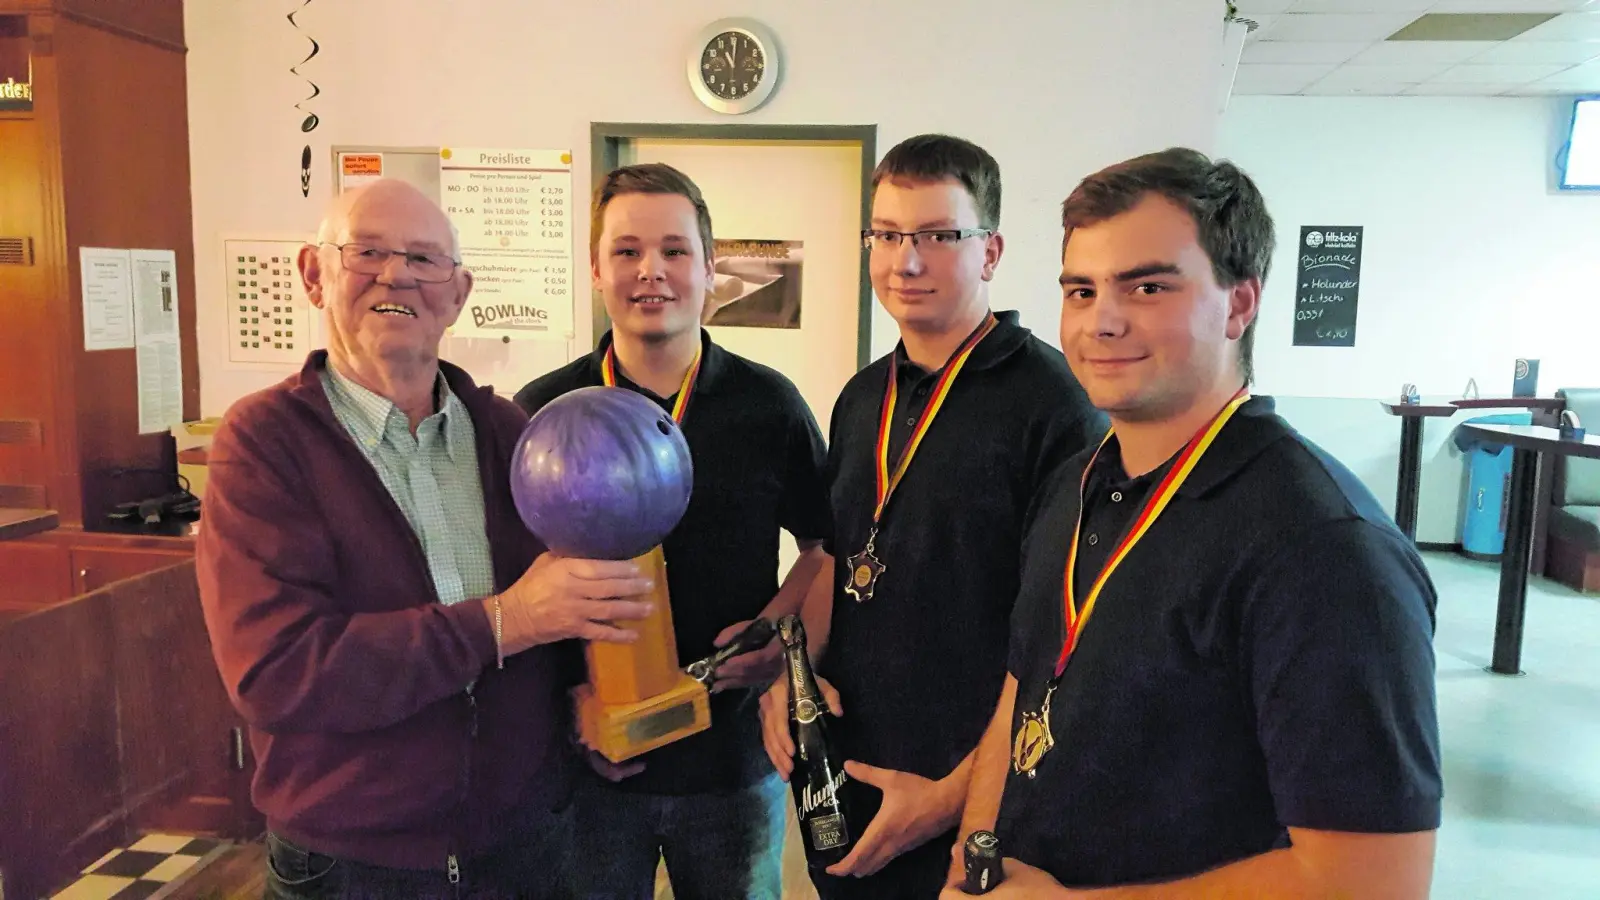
(710, 804)
(978, 413)
(1222, 671)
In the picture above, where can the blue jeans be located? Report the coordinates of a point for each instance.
(531, 864)
(717, 846)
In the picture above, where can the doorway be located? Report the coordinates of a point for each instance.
(788, 203)
(787, 207)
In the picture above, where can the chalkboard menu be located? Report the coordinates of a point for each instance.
(1328, 284)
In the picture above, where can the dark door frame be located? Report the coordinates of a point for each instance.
(608, 139)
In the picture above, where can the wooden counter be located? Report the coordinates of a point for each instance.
(20, 523)
(54, 565)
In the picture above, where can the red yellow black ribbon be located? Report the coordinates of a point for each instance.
(608, 374)
(886, 483)
(1185, 463)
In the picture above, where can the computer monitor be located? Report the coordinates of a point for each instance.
(1579, 161)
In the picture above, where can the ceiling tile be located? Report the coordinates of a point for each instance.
(1473, 74)
(1262, 24)
(1353, 75)
(1471, 26)
(1336, 26)
(1249, 8)
(1435, 89)
(1583, 26)
(1511, 6)
(1524, 52)
(1548, 89)
(1418, 52)
(1377, 89)
(1302, 51)
(1363, 6)
(1275, 79)
(1578, 79)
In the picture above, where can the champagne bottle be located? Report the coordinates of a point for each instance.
(822, 791)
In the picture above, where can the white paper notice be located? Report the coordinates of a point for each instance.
(512, 209)
(107, 299)
(155, 320)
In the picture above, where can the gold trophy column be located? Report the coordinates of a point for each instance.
(637, 698)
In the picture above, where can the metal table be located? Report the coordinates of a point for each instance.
(1530, 444)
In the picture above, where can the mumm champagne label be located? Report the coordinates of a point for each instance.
(812, 797)
(830, 831)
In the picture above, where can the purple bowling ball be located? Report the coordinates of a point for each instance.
(601, 473)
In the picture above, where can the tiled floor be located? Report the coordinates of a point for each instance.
(1521, 754)
(142, 871)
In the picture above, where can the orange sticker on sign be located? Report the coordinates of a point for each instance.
(362, 164)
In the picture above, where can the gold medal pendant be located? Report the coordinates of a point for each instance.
(864, 572)
(1033, 739)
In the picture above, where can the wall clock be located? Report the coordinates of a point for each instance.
(733, 65)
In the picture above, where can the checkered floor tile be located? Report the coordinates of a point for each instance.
(140, 871)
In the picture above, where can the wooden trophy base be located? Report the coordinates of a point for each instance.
(622, 731)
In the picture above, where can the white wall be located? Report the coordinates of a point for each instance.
(1471, 260)
(1054, 88)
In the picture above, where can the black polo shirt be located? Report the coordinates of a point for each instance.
(920, 665)
(1261, 659)
(758, 468)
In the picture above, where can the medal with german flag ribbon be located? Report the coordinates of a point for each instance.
(1034, 739)
(864, 567)
(608, 375)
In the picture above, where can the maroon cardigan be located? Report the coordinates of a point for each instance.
(334, 647)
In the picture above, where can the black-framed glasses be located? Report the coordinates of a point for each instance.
(874, 238)
(370, 259)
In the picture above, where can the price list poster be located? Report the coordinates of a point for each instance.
(512, 209)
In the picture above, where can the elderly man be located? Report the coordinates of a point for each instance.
(380, 616)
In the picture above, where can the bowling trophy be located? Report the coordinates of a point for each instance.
(636, 698)
(603, 473)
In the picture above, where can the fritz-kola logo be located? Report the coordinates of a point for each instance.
(1332, 239)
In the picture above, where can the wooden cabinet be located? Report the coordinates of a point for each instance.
(98, 157)
(33, 574)
(57, 565)
(114, 723)
(95, 567)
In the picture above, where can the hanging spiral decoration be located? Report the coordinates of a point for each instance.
(310, 122)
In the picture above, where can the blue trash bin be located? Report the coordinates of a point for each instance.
(1483, 522)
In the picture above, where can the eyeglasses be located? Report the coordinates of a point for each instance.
(932, 239)
(366, 259)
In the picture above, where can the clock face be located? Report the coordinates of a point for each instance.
(732, 65)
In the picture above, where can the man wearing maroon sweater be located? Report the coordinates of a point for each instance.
(397, 641)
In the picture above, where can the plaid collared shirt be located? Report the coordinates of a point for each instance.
(432, 475)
